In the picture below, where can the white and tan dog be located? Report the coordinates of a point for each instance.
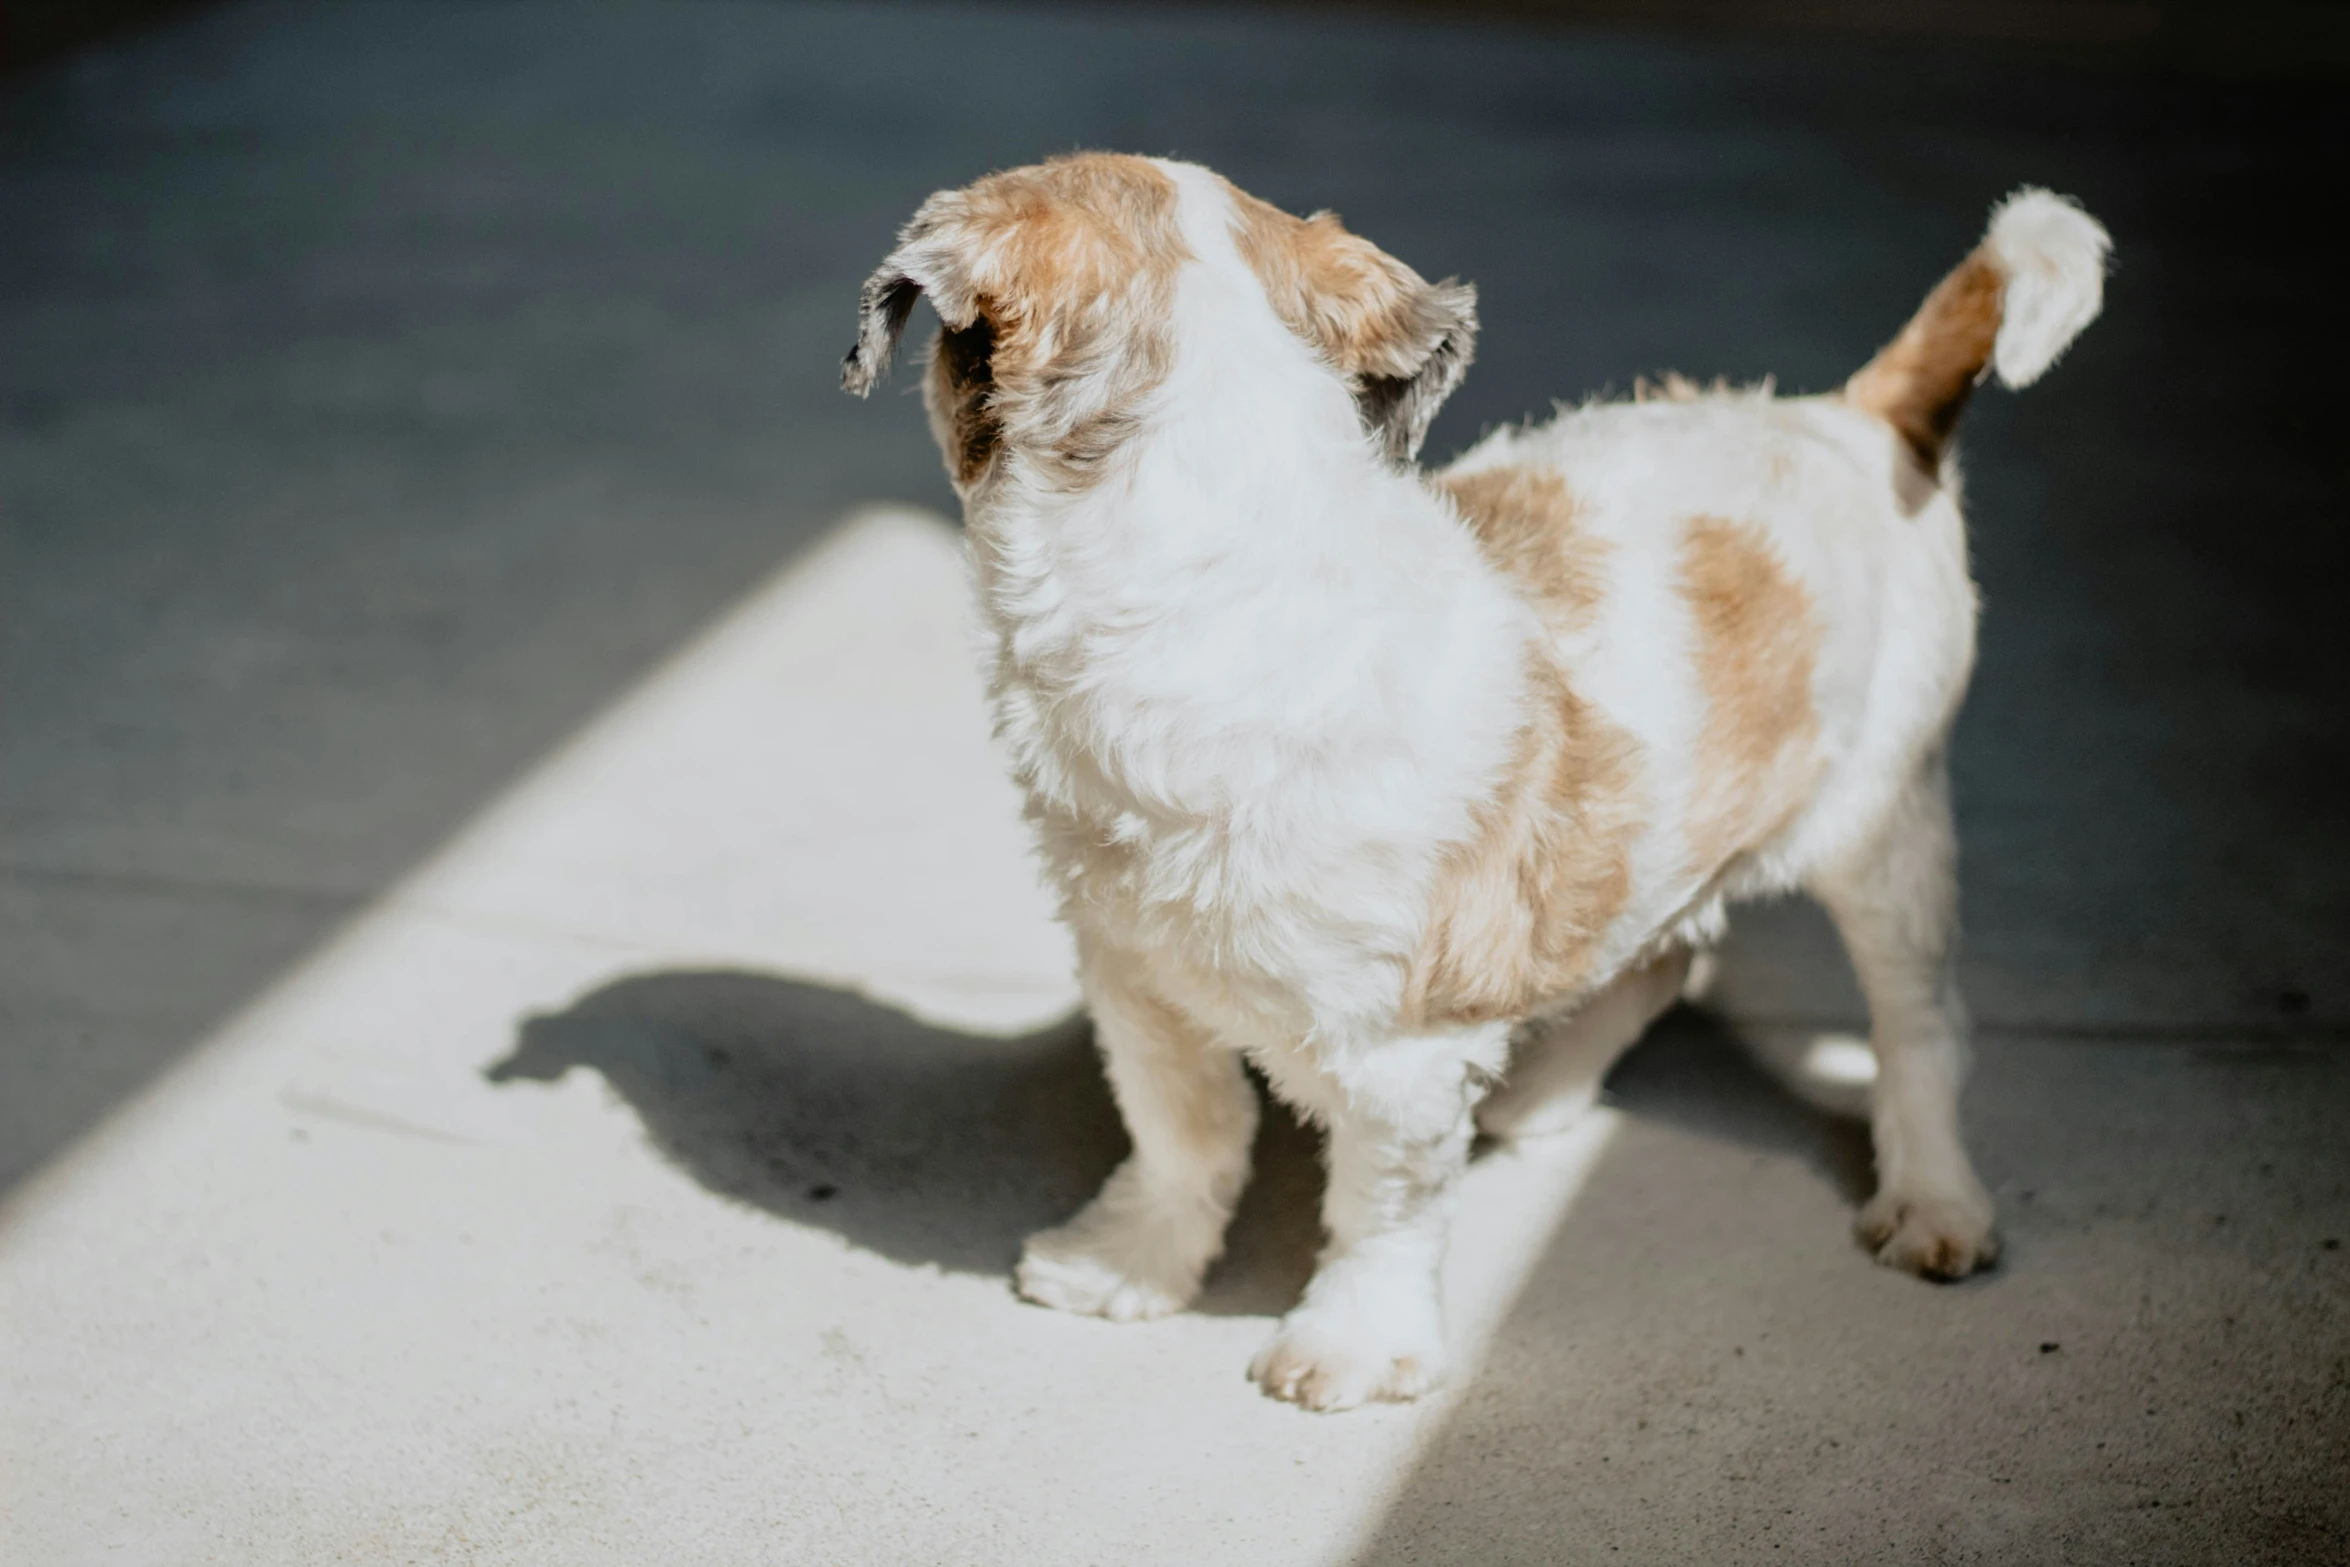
(1363, 774)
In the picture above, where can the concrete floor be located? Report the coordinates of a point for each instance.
(528, 1032)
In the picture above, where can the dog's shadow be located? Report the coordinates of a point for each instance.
(919, 1143)
(932, 1146)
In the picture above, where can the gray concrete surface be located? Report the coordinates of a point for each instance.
(525, 1032)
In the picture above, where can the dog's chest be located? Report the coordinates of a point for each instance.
(1144, 799)
(1224, 843)
(1249, 763)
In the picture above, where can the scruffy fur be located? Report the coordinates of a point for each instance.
(1373, 777)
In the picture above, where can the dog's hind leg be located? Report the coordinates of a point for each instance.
(1142, 1246)
(1895, 903)
(1557, 1067)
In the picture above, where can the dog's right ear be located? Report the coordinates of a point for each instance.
(1402, 343)
(928, 260)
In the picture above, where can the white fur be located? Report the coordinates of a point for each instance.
(1256, 680)
(2054, 256)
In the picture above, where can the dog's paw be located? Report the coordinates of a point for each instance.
(1935, 1235)
(1081, 1269)
(1329, 1360)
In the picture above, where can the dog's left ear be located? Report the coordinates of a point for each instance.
(1402, 342)
(929, 258)
(882, 312)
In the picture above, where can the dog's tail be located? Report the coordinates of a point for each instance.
(2014, 305)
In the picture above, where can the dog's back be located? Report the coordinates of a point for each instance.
(1771, 594)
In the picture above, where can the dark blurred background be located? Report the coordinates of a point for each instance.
(385, 387)
(2200, 32)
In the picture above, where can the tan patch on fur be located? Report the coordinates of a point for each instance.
(1758, 642)
(1086, 249)
(1401, 342)
(1336, 290)
(1061, 236)
(1519, 909)
(1920, 381)
(1056, 284)
(1525, 519)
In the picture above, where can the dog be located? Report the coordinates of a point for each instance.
(1420, 791)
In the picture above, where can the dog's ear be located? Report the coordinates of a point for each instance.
(1438, 337)
(1402, 342)
(882, 311)
(1055, 284)
(928, 258)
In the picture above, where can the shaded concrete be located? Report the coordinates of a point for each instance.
(388, 394)
(2159, 1371)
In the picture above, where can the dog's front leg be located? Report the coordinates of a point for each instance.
(1141, 1247)
(1371, 1325)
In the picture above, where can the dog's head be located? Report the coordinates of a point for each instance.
(1057, 287)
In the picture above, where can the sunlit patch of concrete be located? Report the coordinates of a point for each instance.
(1828, 1070)
(1840, 1061)
(454, 1244)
